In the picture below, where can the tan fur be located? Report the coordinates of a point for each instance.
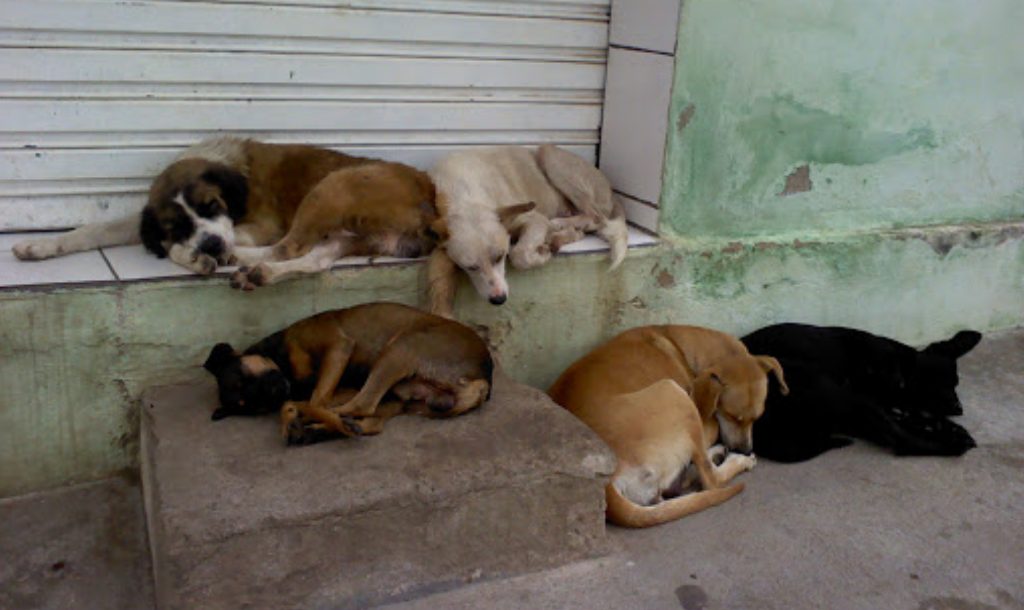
(656, 395)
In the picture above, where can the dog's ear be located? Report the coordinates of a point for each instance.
(152, 233)
(234, 188)
(707, 388)
(437, 227)
(220, 355)
(961, 343)
(509, 213)
(767, 363)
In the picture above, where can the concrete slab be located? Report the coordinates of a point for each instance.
(854, 529)
(239, 520)
(77, 547)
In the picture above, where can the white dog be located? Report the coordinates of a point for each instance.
(540, 200)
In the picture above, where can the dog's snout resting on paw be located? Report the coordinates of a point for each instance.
(514, 205)
(661, 397)
(226, 197)
(346, 372)
(847, 383)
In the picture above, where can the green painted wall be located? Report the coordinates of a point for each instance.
(906, 113)
(75, 360)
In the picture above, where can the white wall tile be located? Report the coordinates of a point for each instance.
(645, 24)
(637, 97)
(640, 213)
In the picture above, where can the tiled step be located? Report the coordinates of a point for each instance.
(133, 263)
(237, 519)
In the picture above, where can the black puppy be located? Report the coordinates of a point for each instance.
(848, 383)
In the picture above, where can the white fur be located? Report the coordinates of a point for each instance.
(120, 232)
(473, 186)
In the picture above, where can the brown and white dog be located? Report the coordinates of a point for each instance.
(227, 195)
(660, 396)
(520, 205)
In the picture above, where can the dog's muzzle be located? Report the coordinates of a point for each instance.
(212, 245)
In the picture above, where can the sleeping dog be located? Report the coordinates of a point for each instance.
(660, 396)
(850, 383)
(388, 352)
(518, 205)
(227, 193)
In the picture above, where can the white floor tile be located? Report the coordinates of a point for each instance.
(71, 269)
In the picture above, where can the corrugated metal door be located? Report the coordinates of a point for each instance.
(97, 95)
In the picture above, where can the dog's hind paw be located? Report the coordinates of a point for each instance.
(249, 278)
(744, 462)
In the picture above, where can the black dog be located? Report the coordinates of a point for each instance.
(847, 383)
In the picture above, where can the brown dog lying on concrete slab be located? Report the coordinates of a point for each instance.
(411, 360)
(660, 396)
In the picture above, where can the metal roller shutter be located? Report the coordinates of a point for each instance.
(97, 95)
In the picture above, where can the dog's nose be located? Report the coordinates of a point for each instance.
(498, 299)
(744, 450)
(212, 245)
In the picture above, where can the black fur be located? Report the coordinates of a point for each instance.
(234, 189)
(221, 354)
(847, 383)
(152, 233)
(175, 226)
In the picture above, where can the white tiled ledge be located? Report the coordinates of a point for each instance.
(133, 263)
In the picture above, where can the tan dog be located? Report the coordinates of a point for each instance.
(660, 396)
(517, 205)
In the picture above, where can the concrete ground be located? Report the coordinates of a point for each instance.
(78, 548)
(853, 529)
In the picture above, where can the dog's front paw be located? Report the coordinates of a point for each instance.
(36, 249)
(295, 433)
(528, 258)
(200, 263)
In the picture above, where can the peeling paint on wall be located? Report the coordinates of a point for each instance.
(798, 181)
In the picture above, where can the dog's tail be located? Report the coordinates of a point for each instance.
(623, 512)
(616, 233)
(590, 193)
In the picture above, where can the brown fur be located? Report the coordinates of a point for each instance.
(656, 395)
(371, 208)
(428, 364)
(260, 187)
(280, 178)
